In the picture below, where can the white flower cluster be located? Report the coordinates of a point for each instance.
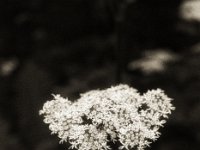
(154, 61)
(190, 10)
(118, 113)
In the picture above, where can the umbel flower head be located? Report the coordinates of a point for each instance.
(118, 113)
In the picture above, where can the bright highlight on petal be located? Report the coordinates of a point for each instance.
(117, 113)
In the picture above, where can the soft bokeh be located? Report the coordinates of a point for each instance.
(69, 47)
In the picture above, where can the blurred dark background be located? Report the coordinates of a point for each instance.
(68, 47)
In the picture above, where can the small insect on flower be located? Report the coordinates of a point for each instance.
(116, 113)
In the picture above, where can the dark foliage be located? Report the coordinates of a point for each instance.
(72, 46)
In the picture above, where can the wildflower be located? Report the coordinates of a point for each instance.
(119, 113)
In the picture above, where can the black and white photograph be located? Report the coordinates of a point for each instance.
(99, 74)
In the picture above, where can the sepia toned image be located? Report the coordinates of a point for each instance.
(100, 74)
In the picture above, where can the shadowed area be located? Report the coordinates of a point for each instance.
(69, 47)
